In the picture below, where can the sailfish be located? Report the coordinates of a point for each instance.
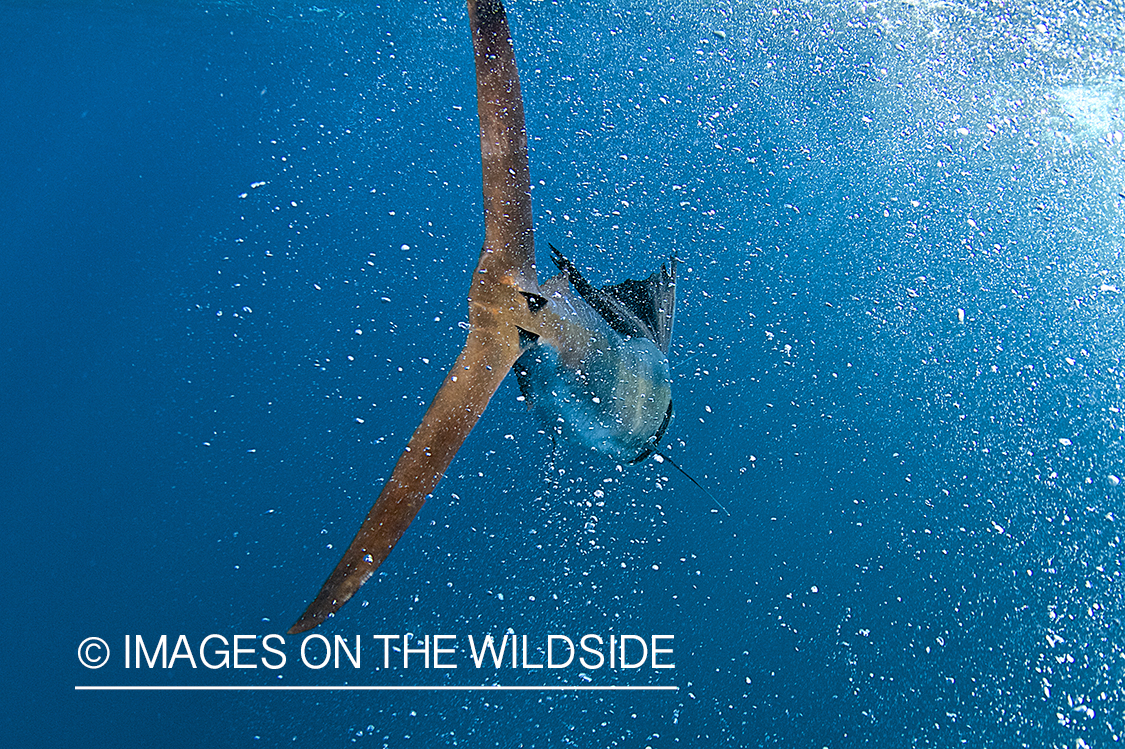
(591, 362)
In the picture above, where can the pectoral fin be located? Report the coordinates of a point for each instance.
(470, 384)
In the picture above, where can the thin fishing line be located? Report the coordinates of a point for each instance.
(690, 478)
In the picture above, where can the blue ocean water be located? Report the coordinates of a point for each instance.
(236, 242)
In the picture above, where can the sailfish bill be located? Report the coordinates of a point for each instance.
(591, 359)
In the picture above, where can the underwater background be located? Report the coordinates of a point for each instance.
(236, 242)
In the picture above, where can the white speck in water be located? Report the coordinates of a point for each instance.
(1065, 442)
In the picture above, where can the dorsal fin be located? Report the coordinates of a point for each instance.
(639, 308)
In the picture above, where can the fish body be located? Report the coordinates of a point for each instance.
(589, 383)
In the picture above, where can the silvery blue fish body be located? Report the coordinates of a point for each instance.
(597, 373)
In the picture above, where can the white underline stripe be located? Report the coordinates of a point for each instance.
(360, 688)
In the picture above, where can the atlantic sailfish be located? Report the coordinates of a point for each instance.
(591, 362)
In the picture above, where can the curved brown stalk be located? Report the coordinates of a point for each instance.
(498, 307)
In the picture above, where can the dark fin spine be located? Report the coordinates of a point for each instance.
(584, 288)
(640, 308)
